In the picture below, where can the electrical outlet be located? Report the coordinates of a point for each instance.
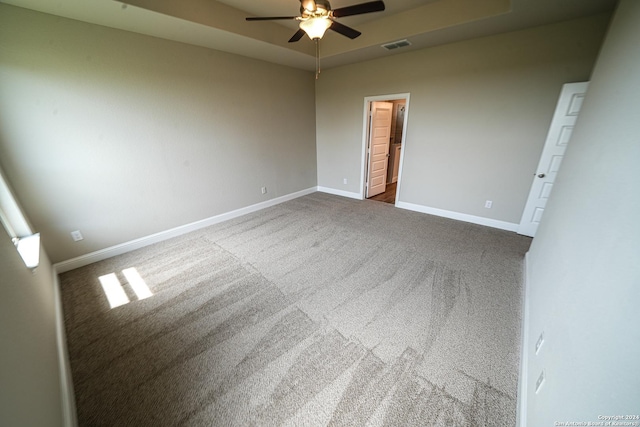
(488, 204)
(264, 190)
(539, 382)
(76, 235)
(539, 342)
(344, 181)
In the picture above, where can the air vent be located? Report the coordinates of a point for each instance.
(396, 45)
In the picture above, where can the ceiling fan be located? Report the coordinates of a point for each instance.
(317, 16)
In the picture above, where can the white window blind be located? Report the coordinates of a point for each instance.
(13, 219)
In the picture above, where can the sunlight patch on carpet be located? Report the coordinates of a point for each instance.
(114, 290)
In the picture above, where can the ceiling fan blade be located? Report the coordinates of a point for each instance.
(309, 5)
(359, 9)
(344, 30)
(269, 18)
(297, 36)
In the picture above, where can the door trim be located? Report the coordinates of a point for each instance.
(365, 139)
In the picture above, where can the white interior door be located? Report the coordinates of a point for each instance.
(558, 137)
(378, 150)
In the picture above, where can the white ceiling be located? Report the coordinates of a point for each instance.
(221, 25)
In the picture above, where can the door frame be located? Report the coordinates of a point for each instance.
(365, 138)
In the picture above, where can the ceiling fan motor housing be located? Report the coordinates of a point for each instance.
(323, 5)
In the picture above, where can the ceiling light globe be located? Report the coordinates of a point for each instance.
(315, 27)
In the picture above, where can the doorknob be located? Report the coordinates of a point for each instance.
(541, 175)
(388, 154)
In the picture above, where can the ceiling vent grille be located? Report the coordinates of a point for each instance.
(397, 44)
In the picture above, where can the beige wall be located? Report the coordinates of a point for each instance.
(584, 270)
(30, 393)
(121, 135)
(478, 115)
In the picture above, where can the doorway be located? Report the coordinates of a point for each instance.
(384, 135)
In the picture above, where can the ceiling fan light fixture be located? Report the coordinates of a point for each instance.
(315, 27)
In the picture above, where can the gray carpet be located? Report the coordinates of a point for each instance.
(319, 311)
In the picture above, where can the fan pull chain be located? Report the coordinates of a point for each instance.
(317, 58)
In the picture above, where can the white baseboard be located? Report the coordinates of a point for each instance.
(132, 245)
(521, 412)
(503, 225)
(69, 417)
(340, 192)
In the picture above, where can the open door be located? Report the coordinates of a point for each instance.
(560, 130)
(378, 147)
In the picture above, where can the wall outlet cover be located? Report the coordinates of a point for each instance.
(540, 382)
(539, 342)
